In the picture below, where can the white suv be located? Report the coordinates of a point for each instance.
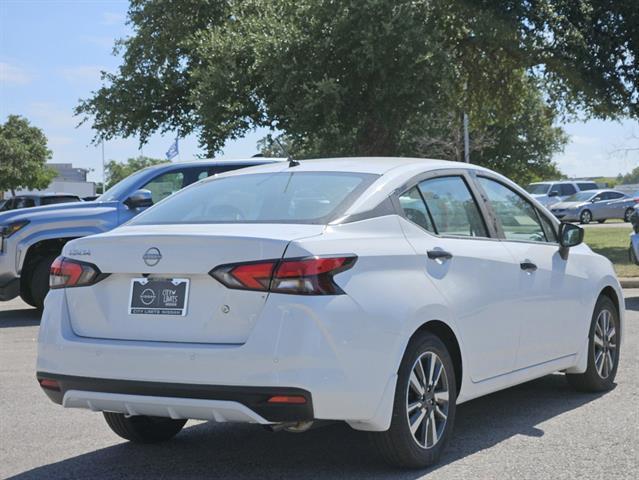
(381, 292)
(549, 193)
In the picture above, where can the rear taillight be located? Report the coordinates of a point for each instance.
(72, 273)
(299, 276)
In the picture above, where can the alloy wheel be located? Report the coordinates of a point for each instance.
(427, 399)
(605, 339)
(586, 217)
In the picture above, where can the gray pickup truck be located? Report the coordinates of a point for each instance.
(30, 239)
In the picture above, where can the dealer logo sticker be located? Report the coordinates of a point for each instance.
(152, 257)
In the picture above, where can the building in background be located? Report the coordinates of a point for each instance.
(69, 180)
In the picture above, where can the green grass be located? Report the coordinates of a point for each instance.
(613, 243)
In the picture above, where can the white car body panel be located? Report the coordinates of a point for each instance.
(343, 349)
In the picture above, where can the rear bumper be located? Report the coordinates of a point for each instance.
(219, 402)
(10, 289)
(329, 349)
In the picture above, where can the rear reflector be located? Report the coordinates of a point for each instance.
(300, 276)
(49, 384)
(288, 399)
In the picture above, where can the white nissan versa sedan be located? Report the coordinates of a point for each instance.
(381, 292)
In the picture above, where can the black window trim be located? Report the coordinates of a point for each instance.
(515, 188)
(466, 176)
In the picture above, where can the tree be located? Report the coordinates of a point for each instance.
(116, 171)
(23, 156)
(630, 178)
(360, 76)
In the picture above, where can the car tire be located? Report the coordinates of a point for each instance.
(603, 350)
(25, 288)
(143, 429)
(39, 281)
(628, 213)
(399, 445)
(585, 217)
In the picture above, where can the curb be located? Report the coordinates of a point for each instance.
(629, 282)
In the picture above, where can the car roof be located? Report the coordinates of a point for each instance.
(371, 165)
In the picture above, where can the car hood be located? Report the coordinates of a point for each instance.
(53, 212)
(567, 205)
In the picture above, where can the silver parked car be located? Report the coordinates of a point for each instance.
(599, 205)
(550, 193)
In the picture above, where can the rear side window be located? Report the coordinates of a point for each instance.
(452, 208)
(280, 197)
(415, 210)
(566, 189)
(518, 218)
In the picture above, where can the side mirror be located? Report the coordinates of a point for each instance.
(139, 199)
(570, 235)
(596, 199)
(553, 193)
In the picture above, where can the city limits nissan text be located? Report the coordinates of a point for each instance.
(382, 292)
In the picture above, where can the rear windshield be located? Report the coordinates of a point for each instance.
(281, 197)
(537, 188)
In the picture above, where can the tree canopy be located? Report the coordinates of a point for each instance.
(116, 171)
(23, 156)
(371, 77)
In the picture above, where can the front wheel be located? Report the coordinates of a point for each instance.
(143, 429)
(603, 350)
(585, 217)
(424, 407)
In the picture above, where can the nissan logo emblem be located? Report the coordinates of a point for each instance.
(152, 257)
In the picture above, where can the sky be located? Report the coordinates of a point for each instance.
(52, 52)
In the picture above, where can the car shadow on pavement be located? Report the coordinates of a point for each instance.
(632, 303)
(20, 318)
(248, 451)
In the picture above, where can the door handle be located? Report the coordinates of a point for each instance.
(439, 255)
(528, 266)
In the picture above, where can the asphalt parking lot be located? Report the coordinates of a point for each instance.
(540, 430)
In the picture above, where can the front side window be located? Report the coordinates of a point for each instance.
(278, 197)
(452, 207)
(518, 218)
(165, 185)
(566, 189)
(538, 188)
(24, 203)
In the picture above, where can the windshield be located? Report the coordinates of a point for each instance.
(537, 188)
(281, 197)
(117, 191)
(580, 197)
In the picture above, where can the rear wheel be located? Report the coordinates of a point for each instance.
(40, 281)
(424, 407)
(25, 288)
(603, 350)
(628, 214)
(585, 217)
(143, 429)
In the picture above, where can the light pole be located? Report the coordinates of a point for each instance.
(466, 140)
(103, 168)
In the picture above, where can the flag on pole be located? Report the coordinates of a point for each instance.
(173, 150)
